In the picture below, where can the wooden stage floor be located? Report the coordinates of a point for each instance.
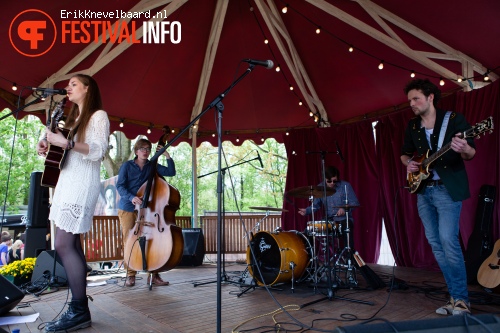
(181, 307)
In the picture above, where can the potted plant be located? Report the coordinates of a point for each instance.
(19, 271)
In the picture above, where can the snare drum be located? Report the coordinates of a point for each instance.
(319, 228)
(279, 256)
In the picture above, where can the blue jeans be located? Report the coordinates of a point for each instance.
(440, 216)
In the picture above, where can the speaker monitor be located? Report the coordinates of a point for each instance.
(452, 324)
(45, 266)
(36, 241)
(194, 247)
(38, 203)
(10, 295)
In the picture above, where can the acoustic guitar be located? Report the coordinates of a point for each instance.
(489, 273)
(416, 178)
(56, 156)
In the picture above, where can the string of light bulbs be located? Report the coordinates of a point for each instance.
(485, 77)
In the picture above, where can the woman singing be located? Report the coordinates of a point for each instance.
(77, 190)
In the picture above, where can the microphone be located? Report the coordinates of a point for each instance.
(50, 91)
(260, 160)
(339, 152)
(266, 63)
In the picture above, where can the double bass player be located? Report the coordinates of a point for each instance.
(132, 175)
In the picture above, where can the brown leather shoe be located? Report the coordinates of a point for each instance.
(130, 282)
(157, 280)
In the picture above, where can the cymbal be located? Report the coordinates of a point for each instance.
(346, 206)
(271, 209)
(307, 191)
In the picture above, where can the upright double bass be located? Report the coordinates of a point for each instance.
(155, 244)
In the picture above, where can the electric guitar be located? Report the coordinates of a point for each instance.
(489, 273)
(56, 156)
(415, 178)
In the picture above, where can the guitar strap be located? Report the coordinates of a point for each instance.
(443, 129)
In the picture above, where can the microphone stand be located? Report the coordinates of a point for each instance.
(223, 238)
(36, 100)
(217, 103)
(331, 287)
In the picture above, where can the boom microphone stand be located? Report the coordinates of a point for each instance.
(217, 102)
(224, 277)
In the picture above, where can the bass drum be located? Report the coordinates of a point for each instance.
(279, 256)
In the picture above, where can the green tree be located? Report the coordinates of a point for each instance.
(18, 139)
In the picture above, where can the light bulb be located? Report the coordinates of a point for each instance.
(381, 65)
(318, 30)
(14, 86)
(412, 74)
(441, 82)
(266, 41)
(459, 79)
(291, 87)
(284, 10)
(351, 48)
(278, 68)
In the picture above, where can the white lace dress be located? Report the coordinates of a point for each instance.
(79, 182)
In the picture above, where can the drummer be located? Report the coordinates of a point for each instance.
(336, 203)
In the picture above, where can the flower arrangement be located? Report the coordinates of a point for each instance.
(19, 268)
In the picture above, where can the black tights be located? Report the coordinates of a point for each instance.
(69, 249)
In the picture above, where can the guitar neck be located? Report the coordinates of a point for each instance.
(436, 155)
(444, 149)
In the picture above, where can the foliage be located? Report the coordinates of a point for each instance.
(19, 268)
(18, 139)
(245, 184)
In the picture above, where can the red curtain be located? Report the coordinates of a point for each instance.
(378, 177)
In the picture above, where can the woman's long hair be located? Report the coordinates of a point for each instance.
(91, 104)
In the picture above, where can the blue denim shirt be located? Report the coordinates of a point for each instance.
(131, 178)
(336, 200)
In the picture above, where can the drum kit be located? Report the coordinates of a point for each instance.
(278, 256)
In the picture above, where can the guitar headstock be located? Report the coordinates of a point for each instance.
(56, 115)
(480, 128)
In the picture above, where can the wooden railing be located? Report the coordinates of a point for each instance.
(104, 241)
(233, 230)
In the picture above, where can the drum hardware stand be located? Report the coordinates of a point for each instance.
(345, 258)
(314, 256)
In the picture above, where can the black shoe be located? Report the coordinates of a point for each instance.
(76, 317)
